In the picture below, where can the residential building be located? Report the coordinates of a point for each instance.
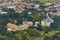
(12, 27)
(28, 23)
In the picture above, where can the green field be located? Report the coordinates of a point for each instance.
(44, 0)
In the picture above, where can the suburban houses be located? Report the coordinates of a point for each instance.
(19, 7)
(13, 27)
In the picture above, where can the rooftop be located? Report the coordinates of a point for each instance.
(48, 19)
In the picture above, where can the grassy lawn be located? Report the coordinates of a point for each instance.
(43, 35)
(44, 0)
(50, 34)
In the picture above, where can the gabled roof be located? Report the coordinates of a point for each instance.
(12, 26)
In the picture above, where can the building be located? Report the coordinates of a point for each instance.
(48, 4)
(2, 12)
(36, 24)
(37, 5)
(12, 7)
(28, 23)
(47, 21)
(12, 27)
(25, 25)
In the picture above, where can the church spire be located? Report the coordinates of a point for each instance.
(47, 15)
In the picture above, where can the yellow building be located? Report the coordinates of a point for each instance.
(47, 21)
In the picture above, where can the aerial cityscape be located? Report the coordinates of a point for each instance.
(29, 19)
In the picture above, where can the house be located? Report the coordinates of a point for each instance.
(12, 27)
(47, 9)
(47, 21)
(2, 12)
(29, 5)
(37, 5)
(25, 25)
(48, 4)
(12, 7)
(28, 23)
(29, 13)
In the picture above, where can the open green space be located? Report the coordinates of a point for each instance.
(44, 0)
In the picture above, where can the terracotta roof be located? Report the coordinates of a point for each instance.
(12, 26)
(27, 23)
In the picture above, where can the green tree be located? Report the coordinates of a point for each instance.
(35, 17)
(33, 32)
